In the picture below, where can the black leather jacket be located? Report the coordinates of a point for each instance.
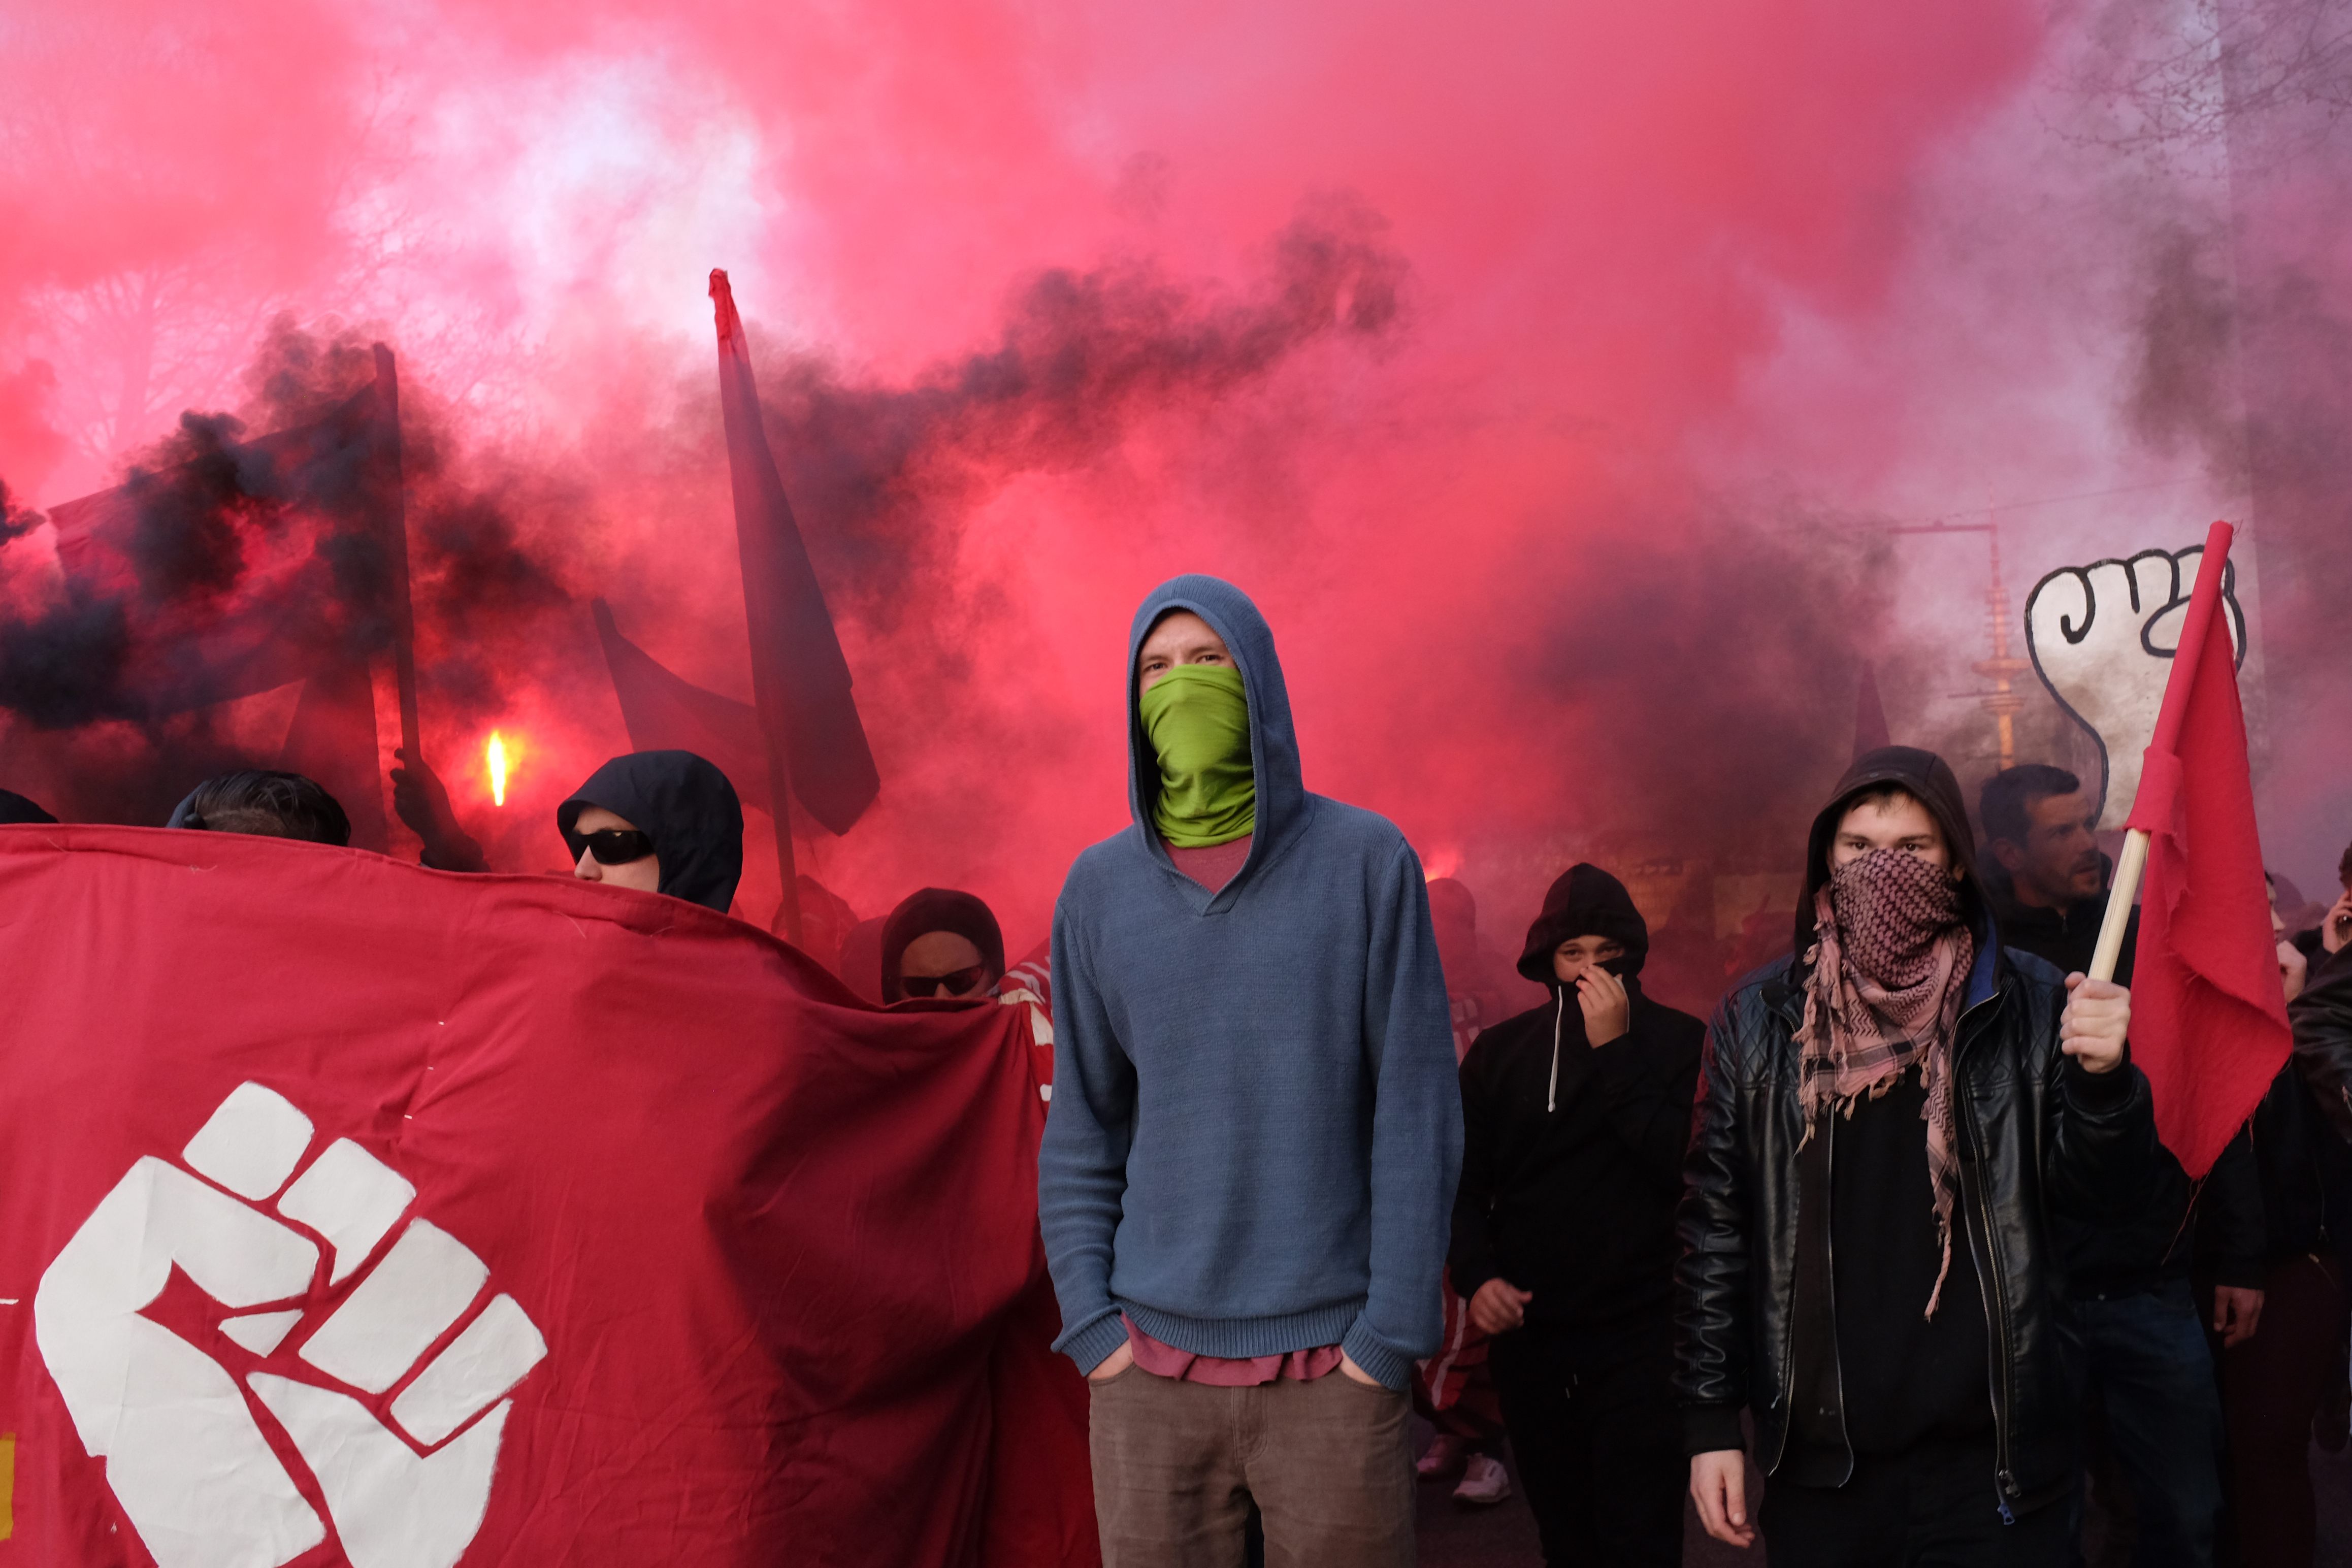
(2037, 1133)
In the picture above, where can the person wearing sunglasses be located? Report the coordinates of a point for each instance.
(658, 822)
(942, 943)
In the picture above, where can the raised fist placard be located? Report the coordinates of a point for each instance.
(2102, 638)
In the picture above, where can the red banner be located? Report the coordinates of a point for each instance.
(360, 1214)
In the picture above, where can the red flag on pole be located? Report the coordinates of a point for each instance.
(800, 682)
(2209, 1018)
(359, 1214)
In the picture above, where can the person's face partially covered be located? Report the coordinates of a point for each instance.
(644, 874)
(943, 964)
(1179, 637)
(1898, 821)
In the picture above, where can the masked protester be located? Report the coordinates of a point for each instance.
(941, 943)
(658, 822)
(1885, 1122)
(1254, 1135)
(15, 807)
(266, 803)
(2152, 1418)
(1575, 1116)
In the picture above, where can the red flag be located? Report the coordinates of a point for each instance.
(2209, 1018)
(800, 682)
(360, 1214)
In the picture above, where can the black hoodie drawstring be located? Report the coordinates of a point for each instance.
(1551, 1095)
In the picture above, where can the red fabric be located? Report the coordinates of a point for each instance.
(2209, 1018)
(781, 1245)
(1459, 1370)
(1162, 1360)
(1214, 866)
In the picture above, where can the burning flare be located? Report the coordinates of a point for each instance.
(498, 756)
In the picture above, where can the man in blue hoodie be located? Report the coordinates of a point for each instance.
(1248, 1170)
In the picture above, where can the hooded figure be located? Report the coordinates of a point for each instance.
(685, 805)
(15, 807)
(1895, 1091)
(936, 909)
(1254, 1133)
(1572, 1168)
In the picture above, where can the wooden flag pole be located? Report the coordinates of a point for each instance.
(2121, 895)
(2204, 600)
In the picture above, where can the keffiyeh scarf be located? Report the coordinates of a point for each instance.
(1890, 967)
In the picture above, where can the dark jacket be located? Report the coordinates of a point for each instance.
(2322, 1017)
(2038, 1135)
(2158, 1241)
(685, 805)
(1576, 1203)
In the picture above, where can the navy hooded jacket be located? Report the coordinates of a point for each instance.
(1255, 1130)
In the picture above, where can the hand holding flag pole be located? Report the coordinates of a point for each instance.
(2209, 1018)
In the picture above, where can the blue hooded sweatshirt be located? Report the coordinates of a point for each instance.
(1255, 1126)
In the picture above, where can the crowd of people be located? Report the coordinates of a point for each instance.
(1893, 1230)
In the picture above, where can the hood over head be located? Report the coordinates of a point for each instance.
(15, 807)
(1926, 776)
(1281, 803)
(685, 805)
(938, 909)
(1586, 902)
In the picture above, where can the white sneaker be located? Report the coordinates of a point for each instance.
(1484, 1483)
(1441, 1459)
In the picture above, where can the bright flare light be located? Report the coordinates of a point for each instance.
(498, 754)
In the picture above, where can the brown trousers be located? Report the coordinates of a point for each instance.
(1177, 1465)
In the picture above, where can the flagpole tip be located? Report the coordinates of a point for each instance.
(722, 302)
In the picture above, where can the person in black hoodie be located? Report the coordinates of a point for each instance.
(2134, 1333)
(660, 822)
(1886, 1122)
(1575, 1115)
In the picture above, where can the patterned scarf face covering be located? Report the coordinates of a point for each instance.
(1890, 967)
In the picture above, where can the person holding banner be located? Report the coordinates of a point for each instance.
(660, 822)
(1885, 1122)
(1249, 1162)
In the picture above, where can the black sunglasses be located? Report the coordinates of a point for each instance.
(956, 984)
(612, 846)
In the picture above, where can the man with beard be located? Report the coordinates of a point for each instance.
(2154, 1416)
(1884, 1122)
(1255, 1132)
(1575, 1116)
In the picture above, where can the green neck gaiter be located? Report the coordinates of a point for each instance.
(1197, 718)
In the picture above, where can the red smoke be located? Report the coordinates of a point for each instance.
(1541, 371)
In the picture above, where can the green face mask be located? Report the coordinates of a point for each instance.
(1197, 718)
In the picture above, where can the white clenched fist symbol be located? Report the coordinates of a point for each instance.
(2103, 637)
(185, 1451)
